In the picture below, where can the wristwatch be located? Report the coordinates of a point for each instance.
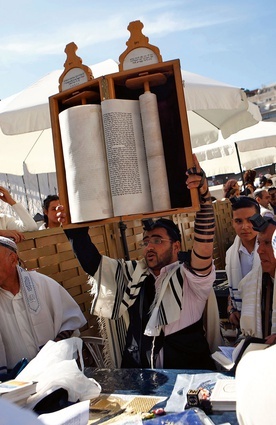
(231, 311)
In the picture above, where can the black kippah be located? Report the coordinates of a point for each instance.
(169, 225)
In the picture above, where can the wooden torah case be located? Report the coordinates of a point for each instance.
(121, 141)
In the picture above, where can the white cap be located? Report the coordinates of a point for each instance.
(273, 242)
(8, 243)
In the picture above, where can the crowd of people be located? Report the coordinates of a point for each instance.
(264, 192)
(163, 295)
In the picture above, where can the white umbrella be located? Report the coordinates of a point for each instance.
(29, 111)
(211, 104)
(256, 147)
(34, 150)
(25, 120)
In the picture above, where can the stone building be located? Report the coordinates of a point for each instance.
(265, 98)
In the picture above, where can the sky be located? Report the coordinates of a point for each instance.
(228, 41)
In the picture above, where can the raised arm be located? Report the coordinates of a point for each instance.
(204, 230)
(85, 251)
(25, 223)
(14, 234)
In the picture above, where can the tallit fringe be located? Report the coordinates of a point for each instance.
(157, 293)
(106, 350)
(152, 365)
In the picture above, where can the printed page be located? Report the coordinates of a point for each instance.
(126, 157)
(237, 350)
(223, 360)
(227, 352)
(85, 163)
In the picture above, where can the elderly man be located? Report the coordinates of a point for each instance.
(163, 294)
(262, 196)
(256, 372)
(272, 193)
(258, 314)
(33, 310)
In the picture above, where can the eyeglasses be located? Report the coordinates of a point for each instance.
(155, 240)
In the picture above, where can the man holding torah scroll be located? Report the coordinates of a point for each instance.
(163, 295)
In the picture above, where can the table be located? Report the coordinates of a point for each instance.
(151, 382)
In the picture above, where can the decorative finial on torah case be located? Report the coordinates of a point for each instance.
(139, 52)
(75, 73)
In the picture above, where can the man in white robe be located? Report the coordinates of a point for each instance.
(258, 314)
(33, 310)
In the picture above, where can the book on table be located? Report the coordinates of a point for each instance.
(223, 396)
(229, 357)
(17, 391)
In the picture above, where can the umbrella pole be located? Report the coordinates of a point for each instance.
(239, 159)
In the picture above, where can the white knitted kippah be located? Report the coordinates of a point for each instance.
(273, 241)
(8, 243)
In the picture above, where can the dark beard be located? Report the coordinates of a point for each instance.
(167, 259)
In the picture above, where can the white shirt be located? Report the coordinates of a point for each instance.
(193, 302)
(265, 212)
(246, 260)
(28, 322)
(25, 223)
(15, 328)
(195, 293)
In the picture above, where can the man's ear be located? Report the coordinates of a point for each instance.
(178, 245)
(14, 258)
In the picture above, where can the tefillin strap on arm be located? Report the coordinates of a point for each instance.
(202, 196)
(204, 229)
(204, 226)
(204, 223)
(205, 219)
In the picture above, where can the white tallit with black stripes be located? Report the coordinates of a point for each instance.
(117, 288)
(251, 315)
(234, 272)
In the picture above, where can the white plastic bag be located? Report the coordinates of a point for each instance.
(52, 353)
(55, 367)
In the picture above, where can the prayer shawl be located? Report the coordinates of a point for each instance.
(212, 323)
(113, 296)
(116, 290)
(234, 274)
(50, 309)
(273, 242)
(251, 317)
